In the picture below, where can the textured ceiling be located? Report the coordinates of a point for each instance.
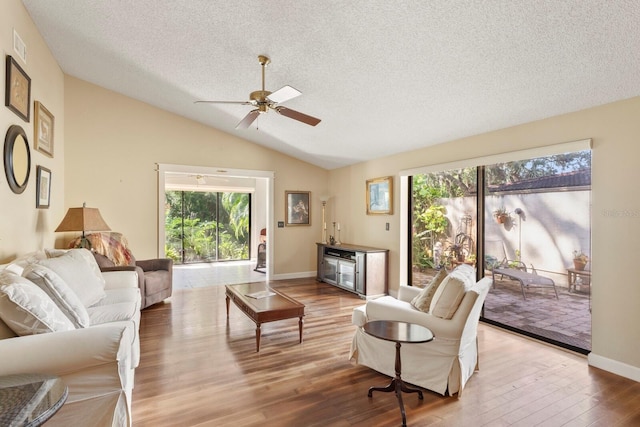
(383, 76)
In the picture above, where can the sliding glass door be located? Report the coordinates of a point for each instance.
(207, 226)
(535, 218)
(444, 222)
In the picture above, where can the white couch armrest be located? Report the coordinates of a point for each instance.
(68, 352)
(120, 279)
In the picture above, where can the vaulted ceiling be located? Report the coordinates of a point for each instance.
(384, 76)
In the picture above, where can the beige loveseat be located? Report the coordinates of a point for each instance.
(60, 315)
(451, 311)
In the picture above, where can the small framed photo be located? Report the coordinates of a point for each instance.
(18, 90)
(380, 196)
(43, 188)
(297, 207)
(43, 129)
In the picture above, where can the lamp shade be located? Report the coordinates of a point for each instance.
(83, 219)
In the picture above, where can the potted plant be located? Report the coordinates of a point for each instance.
(501, 215)
(580, 260)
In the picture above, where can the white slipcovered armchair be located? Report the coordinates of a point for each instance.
(444, 364)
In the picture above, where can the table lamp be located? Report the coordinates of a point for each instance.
(83, 219)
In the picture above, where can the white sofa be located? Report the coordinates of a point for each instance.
(60, 315)
(442, 365)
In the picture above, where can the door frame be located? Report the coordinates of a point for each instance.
(265, 178)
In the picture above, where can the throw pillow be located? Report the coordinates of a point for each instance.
(60, 293)
(422, 301)
(27, 309)
(447, 298)
(79, 269)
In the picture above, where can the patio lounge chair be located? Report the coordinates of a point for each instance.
(514, 269)
(526, 279)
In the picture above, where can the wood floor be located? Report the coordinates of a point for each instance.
(197, 369)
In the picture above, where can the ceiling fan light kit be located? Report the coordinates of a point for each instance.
(264, 100)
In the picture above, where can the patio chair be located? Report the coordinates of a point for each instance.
(261, 263)
(514, 269)
(496, 256)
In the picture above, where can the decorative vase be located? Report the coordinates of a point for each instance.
(579, 264)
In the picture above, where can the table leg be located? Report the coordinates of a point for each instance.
(228, 299)
(258, 332)
(300, 323)
(398, 386)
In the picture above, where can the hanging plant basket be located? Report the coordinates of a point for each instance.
(502, 218)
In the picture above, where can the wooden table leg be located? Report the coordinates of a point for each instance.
(228, 299)
(300, 323)
(258, 332)
(398, 386)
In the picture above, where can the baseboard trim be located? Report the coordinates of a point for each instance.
(298, 275)
(614, 366)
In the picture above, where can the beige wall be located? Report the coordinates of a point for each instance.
(113, 146)
(23, 228)
(615, 130)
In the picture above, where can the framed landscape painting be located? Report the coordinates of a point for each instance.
(18, 89)
(43, 188)
(297, 207)
(43, 129)
(380, 196)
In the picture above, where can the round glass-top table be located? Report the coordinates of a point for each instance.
(30, 399)
(398, 332)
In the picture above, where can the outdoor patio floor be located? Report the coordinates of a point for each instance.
(566, 319)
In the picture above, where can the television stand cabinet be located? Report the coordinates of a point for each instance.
(359, 269)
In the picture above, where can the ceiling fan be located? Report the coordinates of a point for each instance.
(264, 100)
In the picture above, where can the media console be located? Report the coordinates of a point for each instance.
(359, 269)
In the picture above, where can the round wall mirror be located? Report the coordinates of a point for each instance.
(17, 159)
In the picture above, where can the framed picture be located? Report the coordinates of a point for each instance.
(43, 129)
(43, 188)
(18, 90)
(380, 196)
(297, 207)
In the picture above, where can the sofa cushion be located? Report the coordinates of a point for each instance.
(447, 298)
(59, 292)
(115, 296)
(79, 269)
(27, 309)
(422, 301)
(100, 314)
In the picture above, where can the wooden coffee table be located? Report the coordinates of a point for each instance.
(277, 306)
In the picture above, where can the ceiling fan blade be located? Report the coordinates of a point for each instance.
(248, 119)
(296, 115)
(225, 102)
(283, 94)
